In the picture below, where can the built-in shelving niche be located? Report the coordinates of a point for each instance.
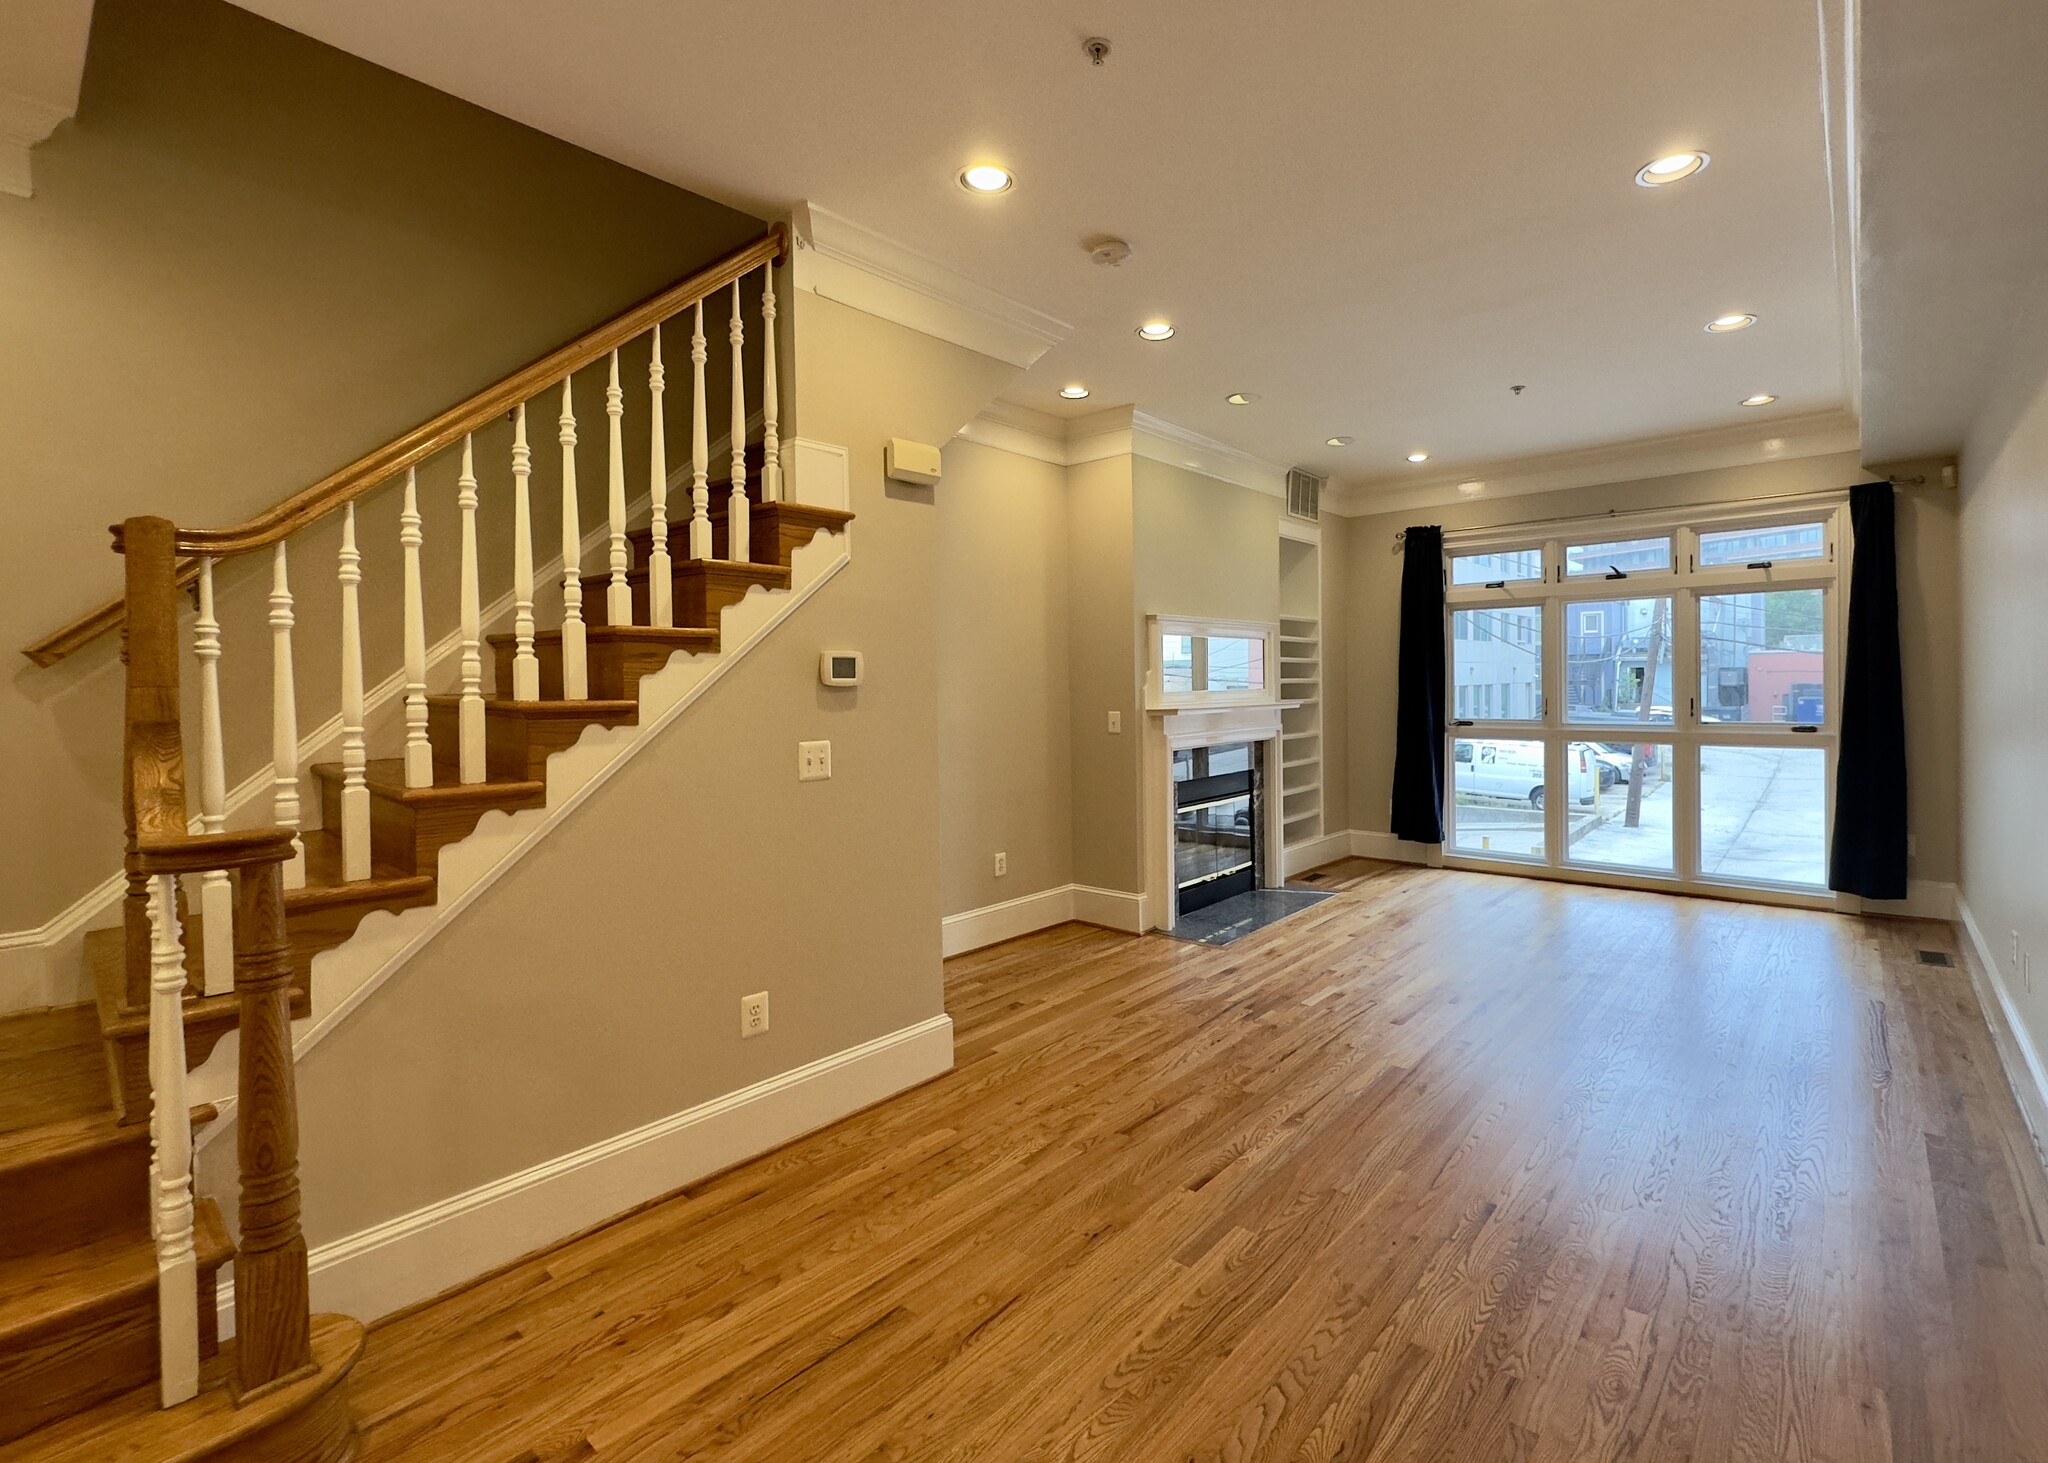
(1301, 680)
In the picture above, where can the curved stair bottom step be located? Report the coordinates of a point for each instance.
(307, 1421)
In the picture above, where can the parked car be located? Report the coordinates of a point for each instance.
(1513, 771)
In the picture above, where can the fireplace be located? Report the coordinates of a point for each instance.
(1216, 824)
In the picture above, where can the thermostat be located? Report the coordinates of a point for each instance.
(840, 667)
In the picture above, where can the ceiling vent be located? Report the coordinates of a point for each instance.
(1304, 495)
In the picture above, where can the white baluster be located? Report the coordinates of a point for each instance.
(661, 587)
(738, 513)
(470, 757)
(355, 787)
(700, 492)
(575, 651)
(618, 605)
(216, 889)
(525, 664)
(284, 719)
(419, 750)
(771, 394)
(170, 1157)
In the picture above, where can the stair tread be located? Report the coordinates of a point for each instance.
(386, 778)
(325, 886)
(51, 1067)
(31, 1148)
(134, 1428)
(43, 1292)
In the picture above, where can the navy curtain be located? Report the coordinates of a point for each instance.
(1869, 855)
(1419, 711)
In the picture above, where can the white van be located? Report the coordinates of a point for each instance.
(1513, 771)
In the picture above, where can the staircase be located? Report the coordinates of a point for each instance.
(108, 1265)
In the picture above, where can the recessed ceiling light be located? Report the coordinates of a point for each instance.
(1156, 330)
(1468, 489)
(1723, 324)
(1242, 398)
(986, 178)
(1675, 168)
(1418, 457)
(1074, 393)
(1337, 441)
(1758, 400)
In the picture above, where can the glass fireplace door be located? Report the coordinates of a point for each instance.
(1215, 825)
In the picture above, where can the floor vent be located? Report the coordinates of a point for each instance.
(1935, 957)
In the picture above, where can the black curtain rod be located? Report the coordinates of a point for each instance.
(1400, 535)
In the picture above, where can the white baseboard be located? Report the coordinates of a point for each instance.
(1111, 908)
(1367, 844)
(993, 923)
(418, 1255)
(973, 928)
(2024, 1069)
(1300, 857)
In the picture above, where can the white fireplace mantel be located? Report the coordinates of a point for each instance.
(1178, 728)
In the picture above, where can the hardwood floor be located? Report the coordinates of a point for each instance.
(1450, 1167)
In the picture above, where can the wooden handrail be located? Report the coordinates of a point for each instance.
(378, 467)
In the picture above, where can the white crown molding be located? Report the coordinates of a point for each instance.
(841, 260)
(1741, 445)
(42, 61)
(1118, 431)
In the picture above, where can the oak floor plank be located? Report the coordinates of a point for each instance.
(1449, 1166)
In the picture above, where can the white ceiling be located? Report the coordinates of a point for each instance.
(1378, 217)
(1952, 236)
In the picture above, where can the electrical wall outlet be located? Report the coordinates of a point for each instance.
(754, 1014)
(1116, 721)
(813, 761)
(1002, 864)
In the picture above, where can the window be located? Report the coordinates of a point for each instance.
(1499, 660)
(1618, 558)
(1749, 546)
(1197, 663)
(1695, 663)
(1763, 657)
(1497, 568)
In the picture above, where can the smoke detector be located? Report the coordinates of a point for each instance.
(1108, 250)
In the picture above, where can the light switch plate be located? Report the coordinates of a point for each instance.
(813, 761)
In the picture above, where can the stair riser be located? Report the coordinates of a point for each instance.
(74, 1366)
(516, 747)
(613, 669)
(75, 1199)
(410, 838)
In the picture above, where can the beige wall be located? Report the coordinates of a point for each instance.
(2005, 681)
(1929, 620)
(1103, 656)
(596, 986)
(250, 259)
(1005, 749)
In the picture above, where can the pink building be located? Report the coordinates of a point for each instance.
(1779, 680)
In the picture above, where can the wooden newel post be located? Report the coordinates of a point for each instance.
(152, 759)
(272, 1317)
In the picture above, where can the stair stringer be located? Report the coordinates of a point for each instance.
(350, 973)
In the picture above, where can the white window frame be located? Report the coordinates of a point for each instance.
(1687, 733)
(1160, 626)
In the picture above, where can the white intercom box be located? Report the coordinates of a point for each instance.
(916, 463)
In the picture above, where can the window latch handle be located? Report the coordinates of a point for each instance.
(1759, 564)
(1614, 573)
(1809, 731)
(1461, 723)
